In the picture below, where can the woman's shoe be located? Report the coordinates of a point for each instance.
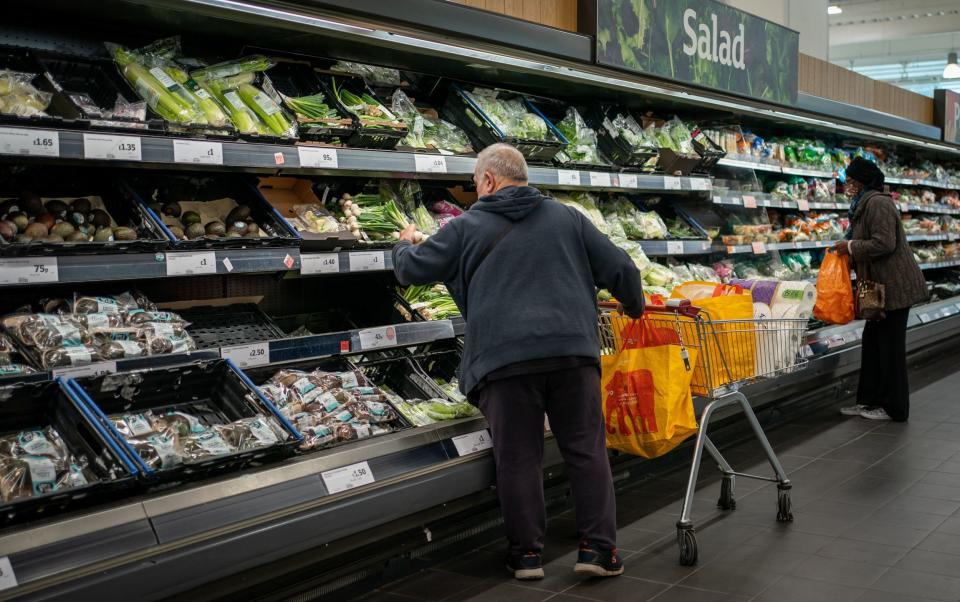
(875, 414)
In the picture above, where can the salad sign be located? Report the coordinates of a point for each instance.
(700, 42)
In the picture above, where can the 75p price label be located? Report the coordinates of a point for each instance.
(37, 143)
(246, 356)
(29, 270)
(113, 148)
(347, 477)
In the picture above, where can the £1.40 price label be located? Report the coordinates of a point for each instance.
(198, 151)
(246, 356)
(29, 270)
(318, 157)
(347, 477)
(112, 148)
(472, 443)
(37, 143)
(373, 338)
(191, 264)
(319, 263)
(430, 163)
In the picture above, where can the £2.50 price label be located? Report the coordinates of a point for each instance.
(113, 148)
(472, 443)
(191, 264)
(198, 151)
(318, 157)
(372, 338)
(28, 270)
(37, 143)
(430, 163)
(320, 263)
(246, 356)
(348, 477)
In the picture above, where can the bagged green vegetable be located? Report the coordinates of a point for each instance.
(372, 74)
(19, 97)
(582, 147)
(162, 93)
(427, 132)
(368, 109)
(510, 115)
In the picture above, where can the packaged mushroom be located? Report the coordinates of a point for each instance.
(36, 462)
(117, 350)
(62, 357)
(223, 218)
(31, 218)
(251, 433)
(120, 305)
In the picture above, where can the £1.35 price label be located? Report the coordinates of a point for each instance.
(318, 157)
(246, 356)
(29, 270)
(373, 338)
(472, 443)
(430, 163)
(198, 151)
(319, 263)
(191, 264)
(347, 477)
(37, 143)
(113, 148)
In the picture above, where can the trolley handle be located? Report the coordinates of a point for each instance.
(681, 307)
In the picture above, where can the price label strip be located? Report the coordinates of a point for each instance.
(472, 443)
(29, 270)
(367, 261)
(568, 177)
(749, 202)
(246, 356)
(191, 264)
(430, 163)
(374, 338)
(701, 183)
(629, 180)
(348, 477)
(8, 579)
(672, 183)
(600, 178)
(321, 263)
(759, 248)
(97, 369)
(112, 148)
(318, 157)
(674, 247)
(198, 151)
(36, 143)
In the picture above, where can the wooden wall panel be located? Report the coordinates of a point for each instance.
(561, 14)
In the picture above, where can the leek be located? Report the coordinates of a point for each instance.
(168, 105)
(249, 64)
(265, 107)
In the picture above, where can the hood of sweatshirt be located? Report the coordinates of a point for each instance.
(512, 202)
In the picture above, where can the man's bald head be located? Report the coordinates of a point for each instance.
(498, 166)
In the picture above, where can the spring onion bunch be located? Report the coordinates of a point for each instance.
(311, 108)
(431, 302)
(370, 216)
(367, 108)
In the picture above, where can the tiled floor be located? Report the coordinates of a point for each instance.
(877, 510)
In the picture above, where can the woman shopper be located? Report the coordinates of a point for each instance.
(877, 245)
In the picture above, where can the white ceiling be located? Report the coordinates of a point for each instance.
(899, 41)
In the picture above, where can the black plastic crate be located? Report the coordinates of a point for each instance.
(709, 151)
(150, 189)
(299, 79)
(216, 392)
(364, 136)
(69, 185)
(39, 405)
(462, 111)
(554, 112)
(60, 113)
(98, 79)
(213, 327)
(612, 144)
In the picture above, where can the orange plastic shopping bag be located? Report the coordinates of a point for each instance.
(647, 405)
(834, 290)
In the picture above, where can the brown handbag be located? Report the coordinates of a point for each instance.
(870, 300)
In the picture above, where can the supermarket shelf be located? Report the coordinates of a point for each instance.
(933, 237)
(807, 173)
(676, 247)
(935, 265)
(944, 185)
(760, 199)
(774, 168)
(345, 262)
(778, 246)
(906, 208)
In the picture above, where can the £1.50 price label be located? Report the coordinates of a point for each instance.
(198, 151)
(191, 264)
(113, 148)
(319, 263)
(347, 477)
(472, 443)
(29, 270)
(430, 163)
(37, 143)
(318, 157)
(246, 356)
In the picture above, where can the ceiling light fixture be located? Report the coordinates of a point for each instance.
(952, 70)
(833, 9)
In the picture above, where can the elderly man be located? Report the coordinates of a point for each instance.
(524, 271)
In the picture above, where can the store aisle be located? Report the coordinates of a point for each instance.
(877, 510)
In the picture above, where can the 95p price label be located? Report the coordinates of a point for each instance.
(37, 143)
(113, 148)
(29, 270)
(246, 356)
(318, 157)
(347, 477)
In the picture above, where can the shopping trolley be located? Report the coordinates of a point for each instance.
(730, 354)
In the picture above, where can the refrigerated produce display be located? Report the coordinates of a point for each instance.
(207, 366)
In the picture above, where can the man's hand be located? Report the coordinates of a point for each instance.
(409, 234)
(842, 248)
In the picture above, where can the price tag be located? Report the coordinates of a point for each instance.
(367, 261)
(701, 183)
(348, 477)
(924, 318)
(674, 247)
(672, 183)
(599, 178)
(628, 180)
(749, 202)
(569, 177)
(189, 264)
(472, 442)
(374, 338)
(114, 148)
(29, 270)
(245, 356)
(8, 579)
(318, 157)
(37, 143)
(198, 151)
(731, 249)
(717, 199)
(803, 205)
(430, 163)
(322, 263)
(759, 247)
(97, 369)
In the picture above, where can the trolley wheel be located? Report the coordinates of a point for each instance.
(726, 501)
(687, 540)
(784, 508)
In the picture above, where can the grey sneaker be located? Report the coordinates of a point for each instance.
(854, 410)
(875, 414)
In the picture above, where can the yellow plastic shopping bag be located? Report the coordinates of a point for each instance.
(647, 404)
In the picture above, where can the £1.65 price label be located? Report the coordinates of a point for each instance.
(472, 443)
(319, 263)
(318, 157)
(348, 477)
(430, 163)
(246, 356)
(191, 264)
(198, 151)
(113, 148)
(367, 261)
(38, 143)
(29, 270)
(373, 338)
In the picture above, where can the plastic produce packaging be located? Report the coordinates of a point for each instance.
(368, 109)
(582, 139)
(19, 97)
(36, 462)
(372, 74)
(510, 116)
(426, 131)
